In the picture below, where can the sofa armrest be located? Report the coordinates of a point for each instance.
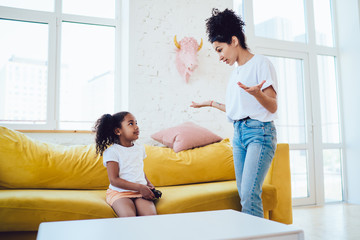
(280, 177)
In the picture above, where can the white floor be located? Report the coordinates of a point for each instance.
(331, 221)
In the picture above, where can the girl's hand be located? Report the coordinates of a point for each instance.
(150, 185)
(200, 105)
(254, 90)
(146, 192)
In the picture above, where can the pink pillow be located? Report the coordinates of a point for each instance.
(185, 136)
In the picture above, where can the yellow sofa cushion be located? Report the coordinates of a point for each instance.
(27, 163)
(207, 197)
(24, 210)
(210, 163)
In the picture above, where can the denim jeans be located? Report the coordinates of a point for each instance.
(254, 146)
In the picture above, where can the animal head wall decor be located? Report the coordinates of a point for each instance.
(186, 56)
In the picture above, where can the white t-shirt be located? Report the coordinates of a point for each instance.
(239, 103)
(131, 163)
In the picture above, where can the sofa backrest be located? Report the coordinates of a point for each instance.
(27, 163)
(213, 162)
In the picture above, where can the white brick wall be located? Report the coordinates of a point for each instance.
(159, 97)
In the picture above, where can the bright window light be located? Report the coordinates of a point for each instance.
(332, 175)
(23, 72)
(323, 23)
(280, 19)
(299, 173)
(291, 110)
(103, 8)
(87, 74)
(328, 99)
(40, 5)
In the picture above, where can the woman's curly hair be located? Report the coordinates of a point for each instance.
(222, 26)
(105, 130)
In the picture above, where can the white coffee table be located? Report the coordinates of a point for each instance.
(223, 224)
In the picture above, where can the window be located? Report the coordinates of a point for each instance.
(57, 63)
(331, 134)
(298, 38)
(86, 80)
(23, 72)
(40, 5)
(328, 99)
(102, 9)
(323, 23)
(333, 175)
(280, 19)
(291, 122)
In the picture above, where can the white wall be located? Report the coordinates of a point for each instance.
(158, 97)
(348, 24)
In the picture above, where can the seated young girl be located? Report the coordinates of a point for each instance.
(129, 193)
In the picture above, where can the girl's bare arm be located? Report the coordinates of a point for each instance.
(115, 180)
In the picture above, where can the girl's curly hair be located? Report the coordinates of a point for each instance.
(222, 26)
(105, 130)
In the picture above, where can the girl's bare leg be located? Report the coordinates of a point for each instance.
(124, 207)
(144, 207)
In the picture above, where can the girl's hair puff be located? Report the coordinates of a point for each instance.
(222, 26)
(105, 130)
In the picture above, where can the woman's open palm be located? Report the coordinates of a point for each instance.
(254, 90)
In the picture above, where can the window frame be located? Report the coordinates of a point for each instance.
(54, 21)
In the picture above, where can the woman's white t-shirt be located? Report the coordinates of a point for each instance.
(239, 103)
(131, 163)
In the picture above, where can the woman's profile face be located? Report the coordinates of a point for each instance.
(227, 52)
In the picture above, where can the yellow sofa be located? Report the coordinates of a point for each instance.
(41, 182)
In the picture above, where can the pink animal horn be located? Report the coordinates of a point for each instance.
(200, 46)
(176, 43)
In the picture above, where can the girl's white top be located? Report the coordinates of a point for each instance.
(239, 103)
(131, 163)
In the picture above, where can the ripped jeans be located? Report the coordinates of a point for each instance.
(254, 146)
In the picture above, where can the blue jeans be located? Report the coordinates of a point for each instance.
(254, 146)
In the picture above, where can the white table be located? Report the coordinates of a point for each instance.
(223, 224)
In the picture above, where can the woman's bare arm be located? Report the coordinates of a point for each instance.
(209, 103)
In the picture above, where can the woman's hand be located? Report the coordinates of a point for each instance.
(254, 90)
(267, 97)
(200, 105)
(146, 192)
(209, 103)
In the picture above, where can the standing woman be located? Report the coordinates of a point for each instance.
(251, 106)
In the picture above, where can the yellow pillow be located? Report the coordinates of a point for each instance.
(210, 163)
(27, 163)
